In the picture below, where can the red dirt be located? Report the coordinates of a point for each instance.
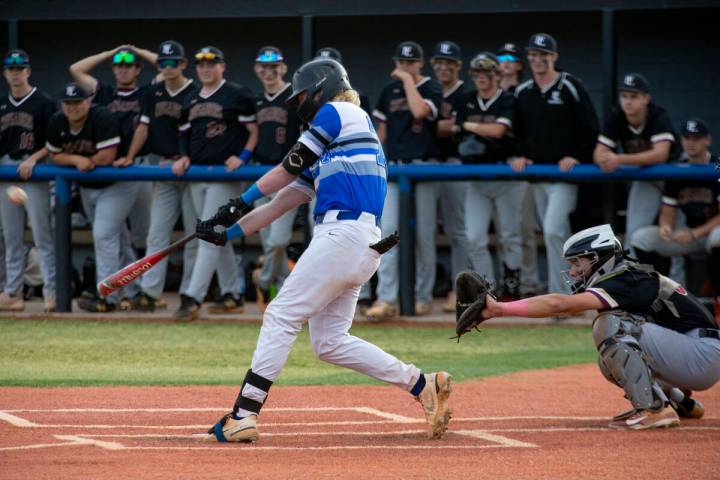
(352, 443)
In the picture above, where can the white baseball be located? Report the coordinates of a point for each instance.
(16, 195)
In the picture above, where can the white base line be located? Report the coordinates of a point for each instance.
(37, 445)
(161, 410)
(78, 440)
(331, 447)
(16, 421)
(507, 442)
(390, 416)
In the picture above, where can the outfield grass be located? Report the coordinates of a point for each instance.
(60, 353)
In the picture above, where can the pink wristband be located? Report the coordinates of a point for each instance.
(519, 308)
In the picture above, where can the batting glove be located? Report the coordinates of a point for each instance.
(230, 213)
(206, 231)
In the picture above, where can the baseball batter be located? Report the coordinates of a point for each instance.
(341, 162)
(655, 340)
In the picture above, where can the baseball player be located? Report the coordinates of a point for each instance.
(511, 67)
(334, 54)
(279, 129)
(655, 340)
(340, 161)
(161, 107)
(218, 127)
(555, 123)
(699, 202)
(24, 117)
(485, 116)
(643, 132)
(407, 114)
(85, 136)
(446, 62)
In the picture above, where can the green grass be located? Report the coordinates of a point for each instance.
(60, 353)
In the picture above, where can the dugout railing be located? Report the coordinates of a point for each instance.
(405, 175)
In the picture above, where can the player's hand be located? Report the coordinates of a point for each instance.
(666, 232)
(233, 163)
(400, 74)
(518, 164)
(567, 163)
(83, 164)
(608, 162)
(229, 213)
(683, 237)
(123, 162)
(25, 168)
(492, 308)
(206, 231)
(180, 166)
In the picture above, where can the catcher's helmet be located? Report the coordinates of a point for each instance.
(322, 75)
(600, 245)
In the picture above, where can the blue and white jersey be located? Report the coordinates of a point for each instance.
(351, 172)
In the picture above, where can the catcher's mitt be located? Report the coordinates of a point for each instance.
(471, 290)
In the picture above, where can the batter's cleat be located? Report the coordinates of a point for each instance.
(227, 304)
(450, 301)
(689, 408)
(10, 303)
(624, 415)
(381, 311)
(189, 309)
(434, 400)
(647, 419)
(230, 429)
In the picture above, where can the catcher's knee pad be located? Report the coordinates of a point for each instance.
(623, 364)
(606, 326)
(253, 393)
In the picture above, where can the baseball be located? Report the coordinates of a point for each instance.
(16, 195)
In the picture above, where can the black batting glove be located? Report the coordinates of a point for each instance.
(230, 213)
(206, 231)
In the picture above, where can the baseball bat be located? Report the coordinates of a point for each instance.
(130, 272)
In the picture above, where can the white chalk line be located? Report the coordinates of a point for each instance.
(16, 421)
(162, 410)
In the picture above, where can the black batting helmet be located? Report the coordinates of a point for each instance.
(322, 75)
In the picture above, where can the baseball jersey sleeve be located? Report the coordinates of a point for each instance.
(304, 183)
(324, 129)
(246, 106)
(381, 111)
(431, 91)
(610, 135)
(106, 131)
(662, 129)
(670, 194)
(588, 127)
(625, 292)
(147, 106)
(506, 111)
(54, 129)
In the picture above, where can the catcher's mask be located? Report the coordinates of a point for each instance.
(322, 79)
(597, 244)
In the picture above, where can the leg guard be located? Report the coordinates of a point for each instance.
(253, 394)
(623, 362)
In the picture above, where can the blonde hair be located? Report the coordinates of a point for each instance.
(350, 96)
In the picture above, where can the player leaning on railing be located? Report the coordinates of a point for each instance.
(340, 161)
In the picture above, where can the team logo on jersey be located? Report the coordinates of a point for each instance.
(541, 41)
(555, 98)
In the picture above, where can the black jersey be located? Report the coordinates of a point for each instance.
(635, 291)
(447, 146)
(125, 104)
(555, 122)
(23, 123)
(470, 107)
(278, 125)
(101, 130)
(697, 200)
(619, 135)
(161, 111)
(216, 123)
(408, 138)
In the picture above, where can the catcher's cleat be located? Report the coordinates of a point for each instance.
(624, 415)
(230, 429)
(689, 408)
(434, 400)
(647, 419)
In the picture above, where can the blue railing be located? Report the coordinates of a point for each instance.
(405, 175)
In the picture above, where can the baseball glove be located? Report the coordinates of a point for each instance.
(471, 290)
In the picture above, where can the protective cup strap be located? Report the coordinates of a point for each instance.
(298, 159)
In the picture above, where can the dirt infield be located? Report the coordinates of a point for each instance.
(541, 424)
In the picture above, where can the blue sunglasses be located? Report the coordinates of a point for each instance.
(507, 58)
(269, 57)
(18, 60)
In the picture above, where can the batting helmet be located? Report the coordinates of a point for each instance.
(600, 245)
(322, 79)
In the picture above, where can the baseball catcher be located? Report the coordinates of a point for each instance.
(654, 340)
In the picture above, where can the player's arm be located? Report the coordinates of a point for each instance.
(138, 141)
(147, 55)
(286, 200)
(106, 156)
(659, 153)
(490, 130)
(543, 306)
(81, 69)
(707, 227)
(419, 107)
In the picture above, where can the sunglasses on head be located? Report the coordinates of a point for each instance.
(17, 60)
(124, 57)
(207, 56)
(507, 58)
(169, 63)
(269, 57)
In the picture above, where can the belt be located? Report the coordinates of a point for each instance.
(332, 215)
(709, 333)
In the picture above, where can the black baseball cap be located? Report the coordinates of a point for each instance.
(269, 54)
(126, 56)
(16, 58)
(448, 50)
(408, 51)
(170, 50)
(695, 127)
(329, 52)
(209, 54)
(542, 42)
(486, 61)
(73, 92)
(634, 82)
(509, 49)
